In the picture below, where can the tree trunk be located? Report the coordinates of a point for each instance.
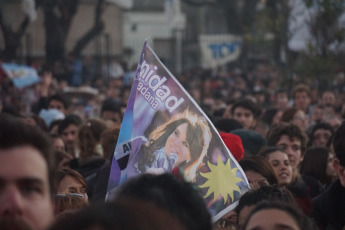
(93, 32)
(58, 16)
(12, 39)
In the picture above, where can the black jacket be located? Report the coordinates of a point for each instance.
(328, 209)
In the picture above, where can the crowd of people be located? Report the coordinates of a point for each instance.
(57, 144)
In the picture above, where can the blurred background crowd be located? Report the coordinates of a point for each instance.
(279, 105)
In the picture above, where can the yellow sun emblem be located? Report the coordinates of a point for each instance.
(222, 180)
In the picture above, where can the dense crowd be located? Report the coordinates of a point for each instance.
(57, 140)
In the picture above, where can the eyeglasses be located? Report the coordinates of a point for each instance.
(70, 194)
(258, 183)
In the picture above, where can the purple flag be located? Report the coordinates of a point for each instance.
(164, 128)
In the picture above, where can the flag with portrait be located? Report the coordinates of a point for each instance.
(164, 128)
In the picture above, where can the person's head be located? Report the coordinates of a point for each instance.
(108, 141)
(251, 198)
(26, 176)
(328, 98)
(111, 110)
(58, 143)
(301, 97)
(280, 163)
(258, 171)
(320, 134)
(252, 141)
(335, 121)
(290, 138)
(339, 150)
(186, 135)
(36, 121)
(281, 99)
(276, 215)
(227, 125)
(316, 115)
(69, 181)
(122, 215)
(329, 111)
(318, 163)
(89, 137)
(53, 128)
(58, 102)
(272, 116)
(296, 116)
(168, 192)
(260, 96)
(227, 111)
(246, 112)
(68, 130)
(62, 159)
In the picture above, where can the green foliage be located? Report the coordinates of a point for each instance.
(318, 68)
(320, 62)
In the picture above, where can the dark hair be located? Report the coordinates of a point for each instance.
(89, 136)
(111, 105)
(289, 129)
(269, 114)
(266, 152)
(122, 215)
(198, 137)
(70, 119)
(16, 133)
(39, 122)
(270, 193)
(259, 165)
(171, 194)
(315, 162)
(227, 124)
(60, 174)
(281, 91)
(45, 68)
(247, 104)
(60, 155)
(339, 144)
(54, 123)
(108, 141)
(293, 211)
(59, 98)
(288, 114)
(318, 126)
(252, 141)
(300, 88)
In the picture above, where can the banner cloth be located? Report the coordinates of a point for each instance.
(21, 75)
(163, 128)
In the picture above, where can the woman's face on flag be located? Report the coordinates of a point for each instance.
(177, 143)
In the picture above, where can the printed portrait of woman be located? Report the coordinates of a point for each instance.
(182, 141)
